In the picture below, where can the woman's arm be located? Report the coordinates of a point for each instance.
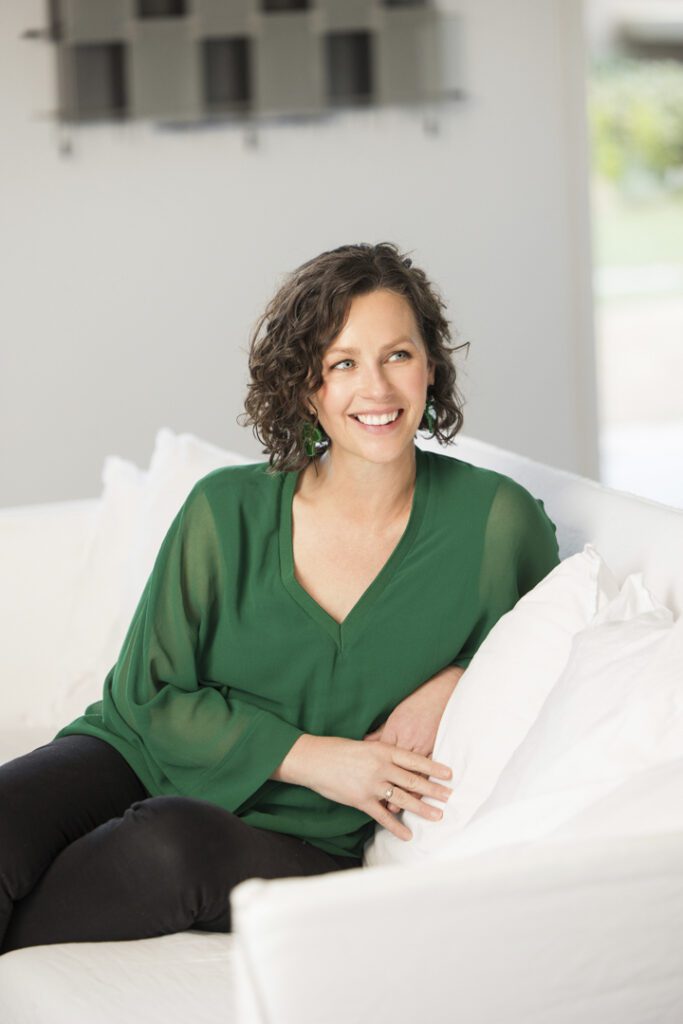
(196, 738)
(358, 774)
(414, 722)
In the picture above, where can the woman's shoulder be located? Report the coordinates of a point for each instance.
(482, 485)
(229, 486)
(454, 472)
(234, 473)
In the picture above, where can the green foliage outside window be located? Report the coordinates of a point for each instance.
(636, 120)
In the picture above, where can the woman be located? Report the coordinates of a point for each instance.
(280, 686)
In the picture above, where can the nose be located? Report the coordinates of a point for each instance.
(375, 387)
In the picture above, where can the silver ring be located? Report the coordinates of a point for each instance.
(387, 795)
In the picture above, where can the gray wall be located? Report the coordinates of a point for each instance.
(134, 268)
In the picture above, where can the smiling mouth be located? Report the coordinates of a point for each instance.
(354, 416)
(378, 426)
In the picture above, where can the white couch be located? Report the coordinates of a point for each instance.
(586, 929)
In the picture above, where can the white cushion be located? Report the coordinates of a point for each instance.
(185, 976)
(99, 585)
(580, 933)
(616, 711)
(40, 550)
(499, 696)
(15, 741)
(646, 804)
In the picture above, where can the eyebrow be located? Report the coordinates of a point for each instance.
(354, 351)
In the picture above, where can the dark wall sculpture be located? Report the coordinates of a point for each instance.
(192, 60)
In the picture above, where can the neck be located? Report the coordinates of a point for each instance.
(370, 494)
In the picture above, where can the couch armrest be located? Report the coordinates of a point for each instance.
(555, 932)
(41, 552)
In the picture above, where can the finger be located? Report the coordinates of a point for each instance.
(385, 818)
(414, 762)
(408, 802)
(394, 808)
(414, 782)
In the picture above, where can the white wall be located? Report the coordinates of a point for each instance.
(134, 268)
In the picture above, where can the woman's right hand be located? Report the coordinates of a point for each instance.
(358, 774)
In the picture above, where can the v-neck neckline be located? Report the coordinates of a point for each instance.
(343, 632)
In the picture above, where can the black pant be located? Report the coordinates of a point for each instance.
(87, 855)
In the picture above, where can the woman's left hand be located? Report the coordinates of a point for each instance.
(413, 724)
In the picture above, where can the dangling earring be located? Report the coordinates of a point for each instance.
(429, 413)
(311, 435)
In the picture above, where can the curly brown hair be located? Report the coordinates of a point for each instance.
(303, 318)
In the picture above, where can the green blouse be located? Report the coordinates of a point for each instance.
(228, 660)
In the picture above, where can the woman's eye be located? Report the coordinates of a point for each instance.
(400, 352)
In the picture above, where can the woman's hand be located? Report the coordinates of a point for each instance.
(413, 724)
(358, 774)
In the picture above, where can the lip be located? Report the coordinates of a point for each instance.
(375, 412)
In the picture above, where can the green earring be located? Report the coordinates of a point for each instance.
(311, 435)
(430, 409)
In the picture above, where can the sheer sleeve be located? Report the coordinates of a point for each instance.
(520, 548)
(192, 733)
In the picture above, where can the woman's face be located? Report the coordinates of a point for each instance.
(377, 364)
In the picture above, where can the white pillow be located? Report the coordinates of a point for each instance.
(41, 548)
(616, 711)
(499, 696)
(99, 585)
(648, 803)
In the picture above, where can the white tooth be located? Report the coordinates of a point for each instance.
(378, 421)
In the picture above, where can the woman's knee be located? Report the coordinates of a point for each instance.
(177, 836)
(51, 797)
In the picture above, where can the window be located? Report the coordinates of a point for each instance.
(285, 5)
(99, 81)
(162, 8)
(349, 71)
(226, 73)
